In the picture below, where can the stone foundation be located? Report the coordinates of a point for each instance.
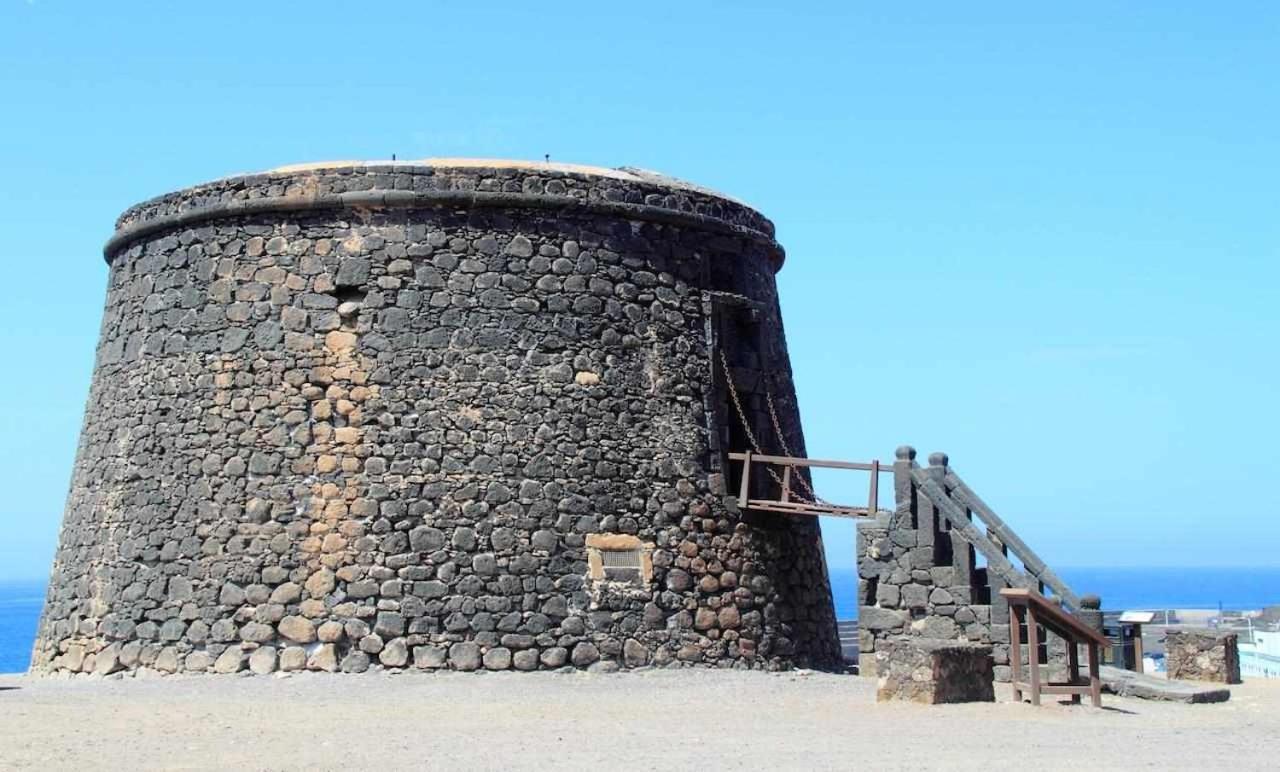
(1202, 655)
(929, 671)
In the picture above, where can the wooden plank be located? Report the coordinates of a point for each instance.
(1073, 690)
(803, 506)
(1033, 654)
(793, 508)
(796, 461)
(1137, 648)
(1073, 666)
(1015, 650)
(873, 501)
(1095, 681)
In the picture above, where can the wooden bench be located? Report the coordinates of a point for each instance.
(1034, 609)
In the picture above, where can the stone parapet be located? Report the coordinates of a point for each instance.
(628, 193)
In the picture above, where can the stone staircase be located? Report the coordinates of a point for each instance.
(934, 567)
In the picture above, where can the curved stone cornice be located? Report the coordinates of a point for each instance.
(624, 193)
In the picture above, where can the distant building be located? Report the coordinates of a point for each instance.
(1260, 656)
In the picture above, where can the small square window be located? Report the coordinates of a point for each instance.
(619, 558)
(622, 565)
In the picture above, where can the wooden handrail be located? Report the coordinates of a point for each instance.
(1033, 609)
(1053, 616)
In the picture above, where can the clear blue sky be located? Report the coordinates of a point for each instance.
(1044, 240)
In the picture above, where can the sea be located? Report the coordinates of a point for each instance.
(1120, 589)
(1147, 589)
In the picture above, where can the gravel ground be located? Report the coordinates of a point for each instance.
(639, 720)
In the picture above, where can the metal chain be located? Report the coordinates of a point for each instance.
(782, 439)
(777, 427)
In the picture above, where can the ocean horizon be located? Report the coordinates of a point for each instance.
(1121, 588)
(1135, 588)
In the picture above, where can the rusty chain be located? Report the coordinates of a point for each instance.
(812, 497)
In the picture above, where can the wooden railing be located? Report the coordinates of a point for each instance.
(804, 502)
(1030, 608)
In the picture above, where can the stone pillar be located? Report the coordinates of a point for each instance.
(1000, 649)
(904, 490)
(1090, 612)
(886, 546)
(928, 517)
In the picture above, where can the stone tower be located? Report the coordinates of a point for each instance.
(444, 414)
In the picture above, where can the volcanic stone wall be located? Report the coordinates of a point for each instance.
(434, 416)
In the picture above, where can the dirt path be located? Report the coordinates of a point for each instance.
(649, 720)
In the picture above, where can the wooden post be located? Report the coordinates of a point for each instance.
(1073, 668)
(1015, 651)
(1033, 654)
(1095, 683)
(873, 503)
(1033, 609)
(1137, 647)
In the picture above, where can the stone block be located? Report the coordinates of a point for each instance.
(1203, 655)
(934, 672)
(915, 596)
(874, 618)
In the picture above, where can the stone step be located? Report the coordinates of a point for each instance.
(1127, 683)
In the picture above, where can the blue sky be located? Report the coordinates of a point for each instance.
(1044, 240)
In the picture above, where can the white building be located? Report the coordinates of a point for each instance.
(1261, 657)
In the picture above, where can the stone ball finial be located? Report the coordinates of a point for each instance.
(1090, 602)
(905, 453)
(938, 459)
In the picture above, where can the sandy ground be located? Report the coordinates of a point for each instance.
(640, 720)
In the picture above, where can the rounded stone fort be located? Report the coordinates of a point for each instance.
(447, 414)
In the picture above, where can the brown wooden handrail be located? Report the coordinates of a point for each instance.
(1033, 609)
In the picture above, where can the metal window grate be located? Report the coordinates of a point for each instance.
(621, 565)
